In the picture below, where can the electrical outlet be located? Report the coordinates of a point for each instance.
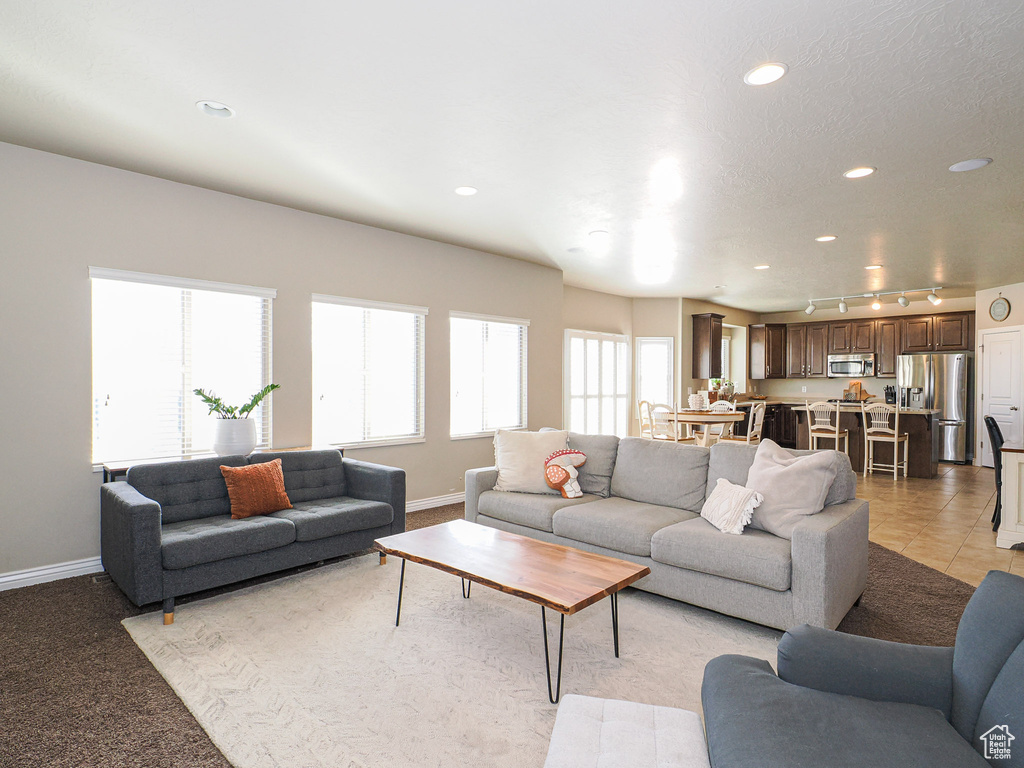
(803, 389)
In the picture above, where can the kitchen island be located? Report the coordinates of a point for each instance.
(918, 423)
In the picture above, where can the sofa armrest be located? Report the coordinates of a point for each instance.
(478, 481)
(130, 542)
(830, 563)
(377, 482)
(868, 668)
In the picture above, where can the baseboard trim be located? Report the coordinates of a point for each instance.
(434, 501)
(45, 573)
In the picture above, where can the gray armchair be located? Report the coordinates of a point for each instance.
(842, 700)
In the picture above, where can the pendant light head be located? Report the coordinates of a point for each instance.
(876, 304)
(903, 301)
(810, 308)
(843, 306)
(933, 298)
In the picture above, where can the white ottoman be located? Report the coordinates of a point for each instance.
(604, 733)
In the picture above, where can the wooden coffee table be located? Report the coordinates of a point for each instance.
(563, 579)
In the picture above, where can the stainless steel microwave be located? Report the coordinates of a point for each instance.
(845, 366)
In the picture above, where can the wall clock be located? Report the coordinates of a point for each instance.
(999, 310)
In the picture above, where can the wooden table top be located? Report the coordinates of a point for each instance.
(701, 417)
(557, 577)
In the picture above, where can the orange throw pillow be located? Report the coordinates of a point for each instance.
(257, 489)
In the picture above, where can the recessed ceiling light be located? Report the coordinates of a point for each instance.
(825, 238)
(859, 173)
(215, 109)
(764, 74)
(719, 286)
(763, 266)
(873, 266)
(970, 165)
(466, 191)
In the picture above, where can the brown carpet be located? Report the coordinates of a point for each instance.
(76, 692)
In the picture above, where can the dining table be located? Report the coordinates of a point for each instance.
(699, 418)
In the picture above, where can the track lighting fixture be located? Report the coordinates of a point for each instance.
(903, 301)
(933, 298)
(876, 304)
(843, 306)
(810, 308)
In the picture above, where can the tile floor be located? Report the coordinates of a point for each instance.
(944, 523)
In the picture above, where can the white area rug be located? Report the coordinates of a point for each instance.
(311, 671)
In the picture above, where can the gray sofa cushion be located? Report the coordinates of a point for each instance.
(754, 557)
(192, 542)
(185, 490)
(596, 474)
(662, 473)
(533, 510)
(732, 461)
(309, 475)
(332, 517)
(615, 523)
(754, 719)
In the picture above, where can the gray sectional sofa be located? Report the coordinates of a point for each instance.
(167, 531)
(642, 501)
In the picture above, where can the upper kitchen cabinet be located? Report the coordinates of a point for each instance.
(817, 350)
(887, 341)
(796, 351)
(806, 350)
(949, 332)
(766, 351)
(851, 337)
(953, 332)
(707, 346)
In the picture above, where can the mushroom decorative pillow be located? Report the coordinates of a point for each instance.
(561, 472)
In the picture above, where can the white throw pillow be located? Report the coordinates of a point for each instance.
(730, 507)
(793, 486)
(520, 457)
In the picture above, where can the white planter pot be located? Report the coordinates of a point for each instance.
(233, 437)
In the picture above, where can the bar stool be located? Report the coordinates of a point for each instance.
(754, 421)
(821, 427)
(876, 430)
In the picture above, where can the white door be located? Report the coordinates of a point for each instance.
(1001, 387)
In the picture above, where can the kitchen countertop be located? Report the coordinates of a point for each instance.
(847, 406)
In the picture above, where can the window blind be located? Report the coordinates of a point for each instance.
(368, 371)
(488, 374)
(154, 343)
(655, 382)
(597, 373)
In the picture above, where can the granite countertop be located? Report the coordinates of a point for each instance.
(801, 403)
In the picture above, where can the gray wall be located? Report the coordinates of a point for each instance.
(59, 216)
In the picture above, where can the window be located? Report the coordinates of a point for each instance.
(597, 383)
(367, 372)
(154, 340)
(654, 368)
(488, 374)
(726, 358)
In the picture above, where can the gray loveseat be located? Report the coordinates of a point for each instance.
(167, 531)
(845, 701)
(642, 502)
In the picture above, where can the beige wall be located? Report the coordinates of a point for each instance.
(1013, 293)
(59, 216)
(584, 310)
(691, 307)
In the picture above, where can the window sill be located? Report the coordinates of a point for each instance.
(380, 443)
(476, 435)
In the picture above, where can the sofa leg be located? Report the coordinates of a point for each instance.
(169, 611)
(383, 558)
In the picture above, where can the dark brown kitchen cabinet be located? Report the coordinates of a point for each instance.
(953, 332)
(796, 351)
(707, 346)
(887, 340)
(852, 337)
(916, 334)
(817, 350)
(786, 426)
(766, 351)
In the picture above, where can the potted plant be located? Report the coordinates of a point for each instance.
(235, 432)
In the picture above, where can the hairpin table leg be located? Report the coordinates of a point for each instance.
(547, 658)
(467, 587)
(401, 584)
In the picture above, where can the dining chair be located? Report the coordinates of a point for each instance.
(995, 437)
(755, 421)
(665, 426)
(646, 420)
(821, 426)
(715, 432)
(877, 430)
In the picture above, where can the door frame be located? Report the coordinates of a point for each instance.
(980, 432)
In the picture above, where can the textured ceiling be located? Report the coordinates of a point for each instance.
(570, 117)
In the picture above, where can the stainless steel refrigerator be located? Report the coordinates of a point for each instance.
(944, 381)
